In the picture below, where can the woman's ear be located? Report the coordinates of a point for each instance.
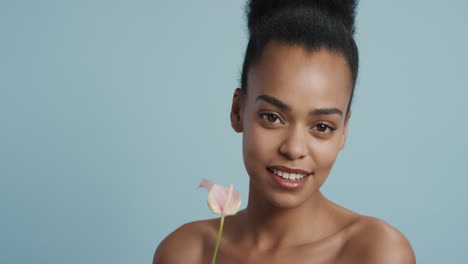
(345, 130)
(236, 110)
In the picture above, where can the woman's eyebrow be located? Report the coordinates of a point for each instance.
(320, 111)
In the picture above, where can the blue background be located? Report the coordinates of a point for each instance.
(113, 111)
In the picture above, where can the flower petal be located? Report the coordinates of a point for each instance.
(217, 198)
(207, 184)
(227, 200)
(232, 205)
(221, 200)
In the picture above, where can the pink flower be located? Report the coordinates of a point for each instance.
(221, 200)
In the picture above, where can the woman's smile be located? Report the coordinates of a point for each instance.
(289, 181)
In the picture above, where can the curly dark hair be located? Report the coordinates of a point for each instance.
(313, 24)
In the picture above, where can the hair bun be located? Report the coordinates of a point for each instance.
(342, 10)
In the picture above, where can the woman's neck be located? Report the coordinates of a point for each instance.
(269, 227)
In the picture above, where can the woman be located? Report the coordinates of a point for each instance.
(293, 108)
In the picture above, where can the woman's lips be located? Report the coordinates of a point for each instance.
(290, 170)
(287, 183)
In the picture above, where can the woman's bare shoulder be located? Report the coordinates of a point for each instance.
(373, 240)
(186, 243)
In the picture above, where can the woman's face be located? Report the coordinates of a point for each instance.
(292, 116)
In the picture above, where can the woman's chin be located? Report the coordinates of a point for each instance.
(287, 200)
(283, 200)
(280, 198)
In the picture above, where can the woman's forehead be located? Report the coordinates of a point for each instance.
(302, 77)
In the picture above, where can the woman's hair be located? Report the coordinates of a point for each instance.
(311, 24)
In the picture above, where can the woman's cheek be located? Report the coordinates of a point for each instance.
(259, 141)
(325, 154)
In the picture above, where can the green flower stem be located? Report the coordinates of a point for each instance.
(218, 240)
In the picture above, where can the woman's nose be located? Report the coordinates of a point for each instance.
(294, 145)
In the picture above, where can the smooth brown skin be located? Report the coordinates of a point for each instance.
(285, 226)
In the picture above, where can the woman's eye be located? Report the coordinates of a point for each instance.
(270, 117)
(324, 128)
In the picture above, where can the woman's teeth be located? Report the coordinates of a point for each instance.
(288, 176)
